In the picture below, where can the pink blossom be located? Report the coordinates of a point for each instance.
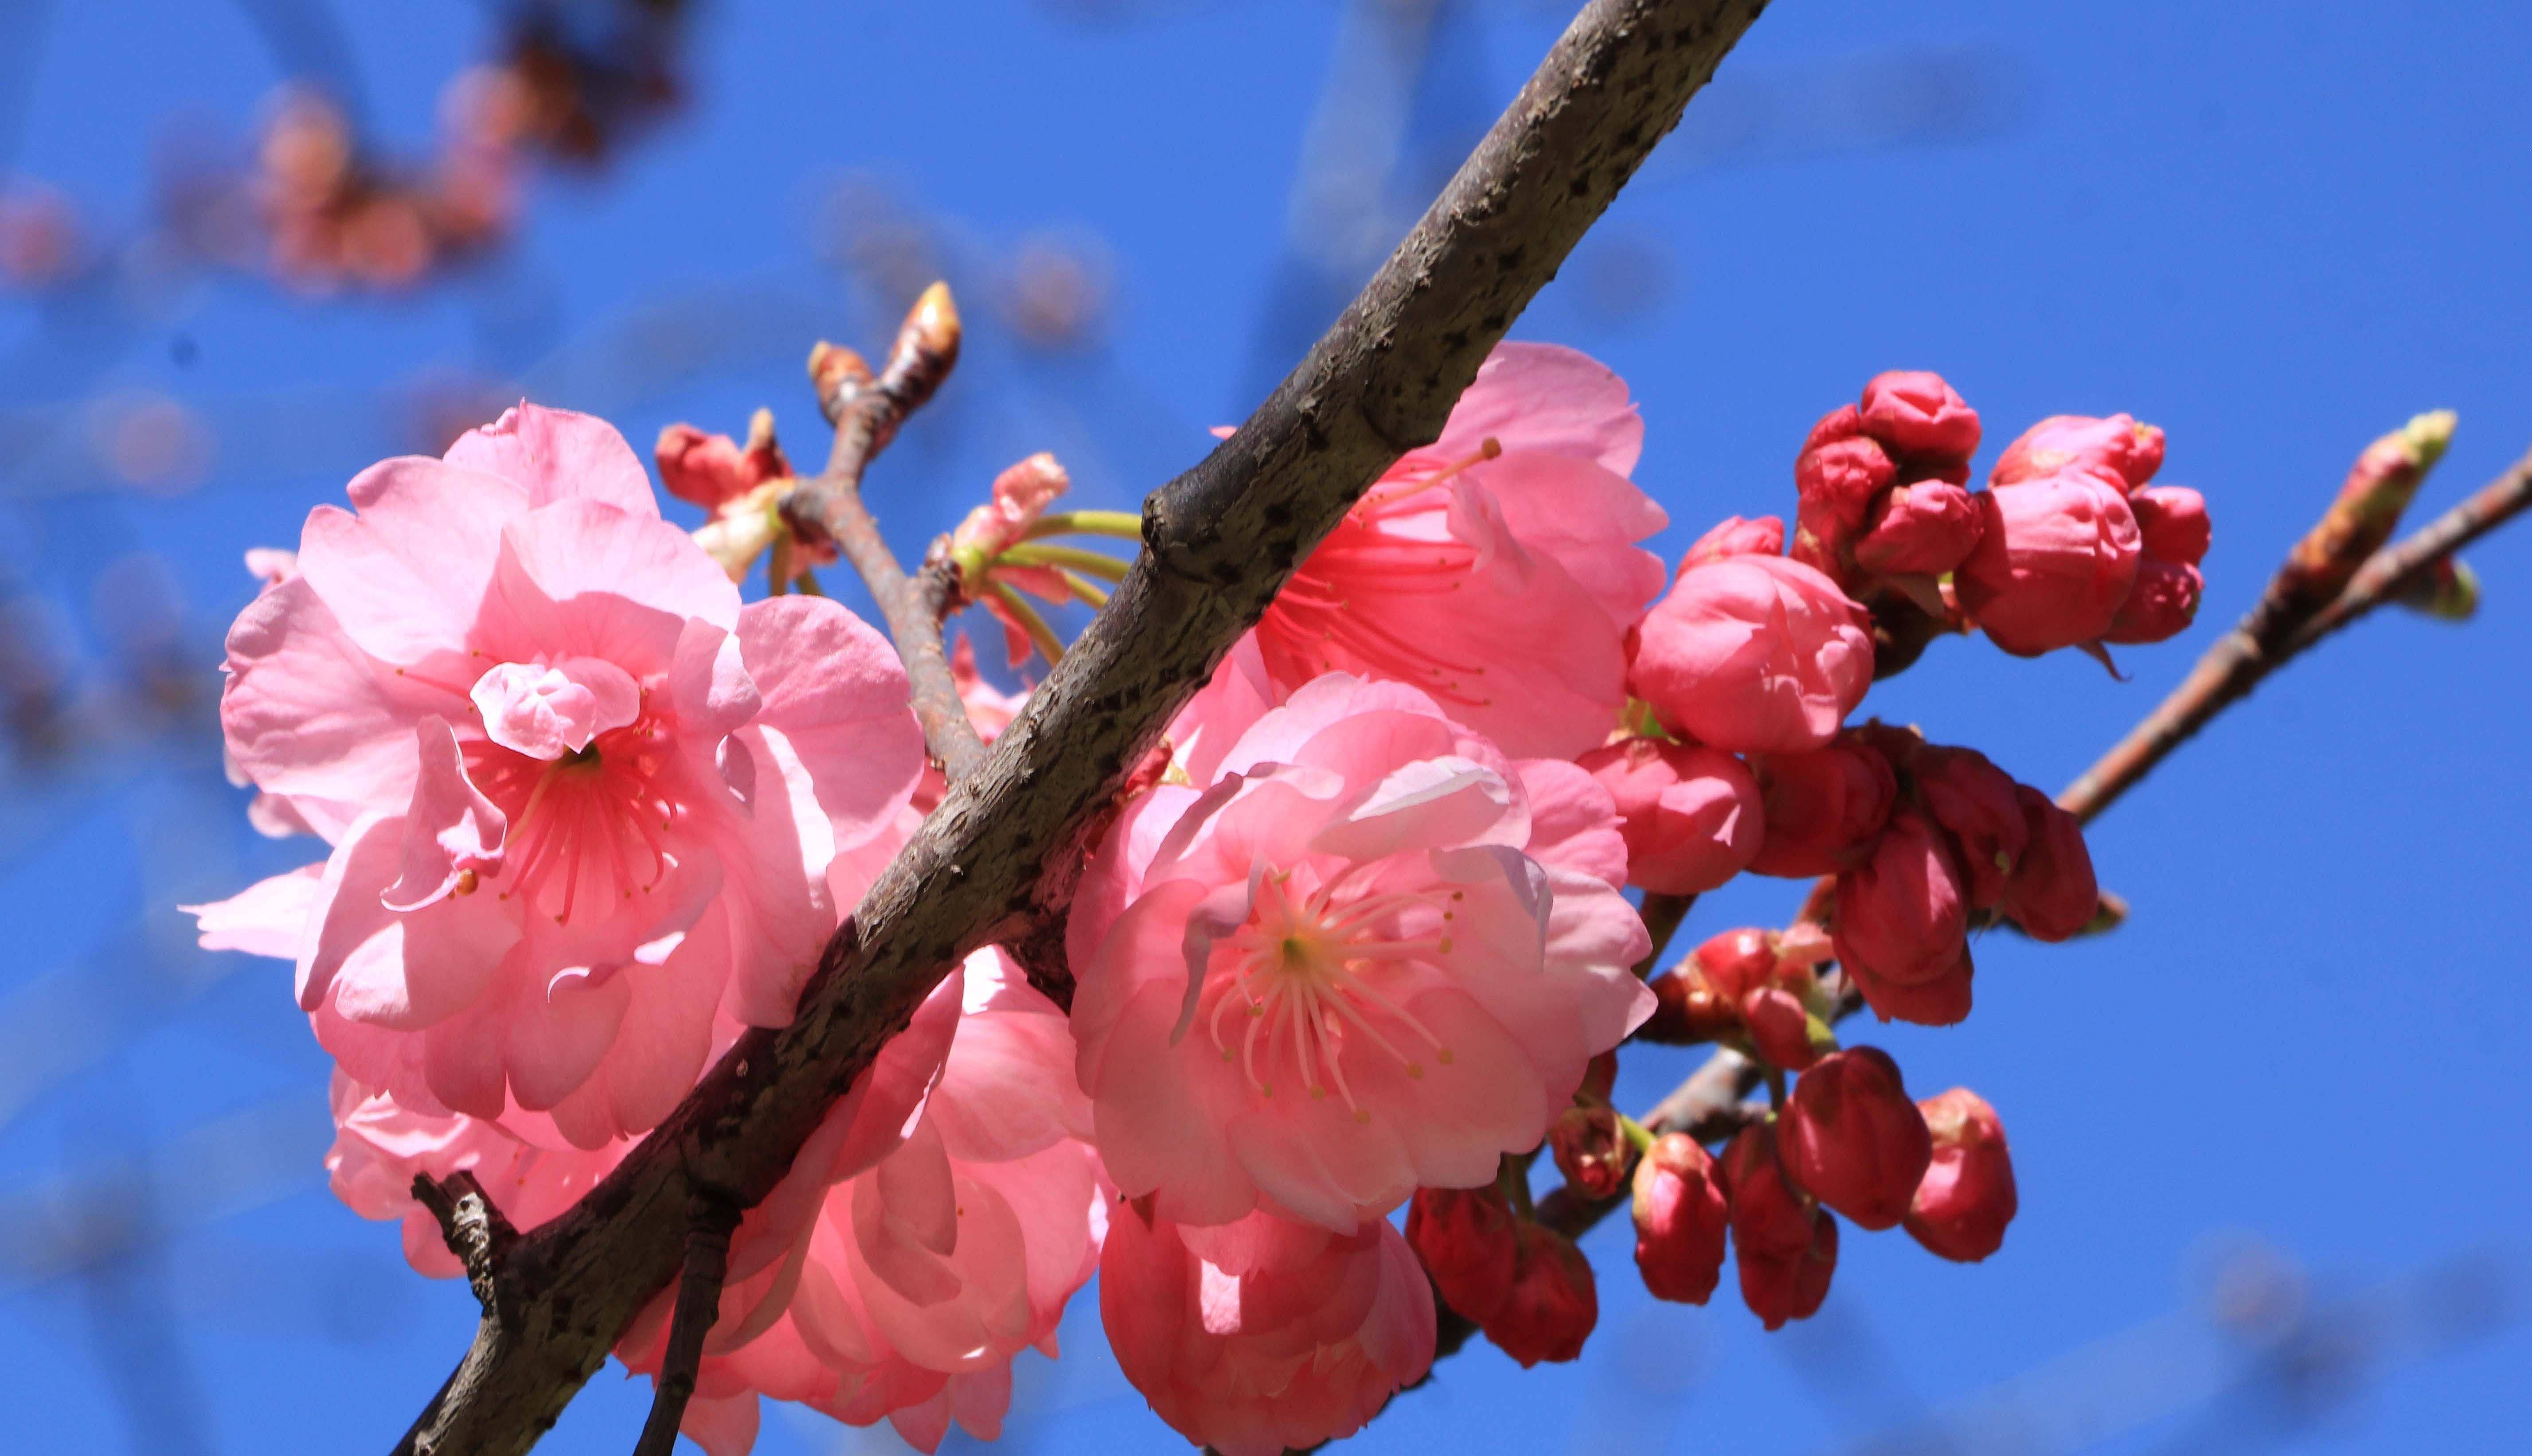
(1690, 815)
(1369, 955)
(1262, 1335)
(2056, 557)
(1753, 653)
(2117, 446)
(1021, 494)
(578, 798)
(922, 1277)
(1495, 568)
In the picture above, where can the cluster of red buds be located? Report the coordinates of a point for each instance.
(2071, 546)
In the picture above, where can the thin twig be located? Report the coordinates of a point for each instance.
(2290, 618)
(698, 1305)
(828, 507)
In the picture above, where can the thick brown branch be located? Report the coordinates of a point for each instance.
(1220, 541)
(2290, 618)
(867, 412)
(474, 1230)
(698, 1305)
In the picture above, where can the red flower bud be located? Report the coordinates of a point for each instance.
(706, 469)
(2056, 557)
(1921, 416)
(1735, 962)
(1783, 1029)
(1923, 528)
(1976, 801)
(2117, 446)
(1836, 480)
(2172, 524)
(1823, 808)
(1850, 1137)
(1690, 815)
(1591, 1151)
(1791, 1287)
(1468, 1243)
(1943, 1001)
(1902, 914)
(2052, 893)
(1681, 1215)
(1770, 1218)
(1967, 1197)
(2160, 606)
(1553, 1303)
(1687, 1009)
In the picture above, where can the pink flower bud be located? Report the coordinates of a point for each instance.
(1591, 1151)
(1754, 653)
(2056, 557)
(1967, 1197)
(2053, 893)
(1690, 815)
(1837, 477)
(1823, 808)
(706, 469)
(1851, 1137)
(1553, 1304)
(1467, 1241)
(1735, 963)
(1923, 528)
(1770, 1218)
(1901, 914)
(2118, 446)
(1978, 804)
(1920, 417)
(1681, 1215)
(1737, 537)
(1943, 1001)
(1783, 1029)
(2160, 606)
(2171, 523)
(1792, 1288)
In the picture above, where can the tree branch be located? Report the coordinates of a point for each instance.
(828, 510)
(2290, 617)
(698, 1305)
(1220, 541)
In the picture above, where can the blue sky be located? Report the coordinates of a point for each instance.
(2277, 231)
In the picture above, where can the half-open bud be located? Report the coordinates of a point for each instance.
(1553, 1303)
(1967, 1197)
(1591, 1151)
(1690, 815)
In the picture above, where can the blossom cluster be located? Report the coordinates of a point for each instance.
(1356, 953)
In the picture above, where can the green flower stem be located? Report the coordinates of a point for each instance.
(1048, 645)
(1040, 554)
(1086, 590)
(1125, 524)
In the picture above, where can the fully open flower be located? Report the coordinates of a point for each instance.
(1264, 1335)
(1496, 568)
(578, 798)
(1369, 955)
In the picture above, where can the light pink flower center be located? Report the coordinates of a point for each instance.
(1372, 559)
(550, 710)
(1301, 973)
